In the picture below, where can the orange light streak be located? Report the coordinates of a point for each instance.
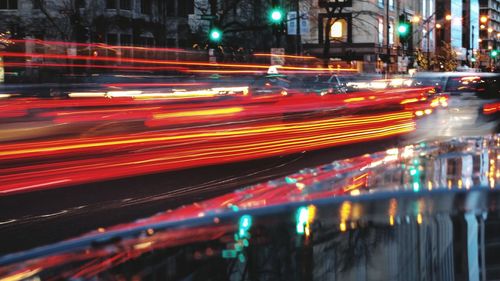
(121, 67)
(176, 151)
(149, 61)
(97, 45)
(211, 112)
(143, 85)
(284, 56)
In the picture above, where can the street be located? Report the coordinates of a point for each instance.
(40, 216)
(244, 140)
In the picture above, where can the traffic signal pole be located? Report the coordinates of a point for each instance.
(387, 39)
(276, 21)
(299, 37)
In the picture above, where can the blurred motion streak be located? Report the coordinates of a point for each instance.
(491, 108)
(59, 162)
(96, 45)
(149, 61)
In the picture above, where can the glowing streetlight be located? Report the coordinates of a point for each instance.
(438, 26)
(490, 30)
(483, 19)
(415, 19)
(482, 26)
(448, 17)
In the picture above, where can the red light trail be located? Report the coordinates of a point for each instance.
(116, 157)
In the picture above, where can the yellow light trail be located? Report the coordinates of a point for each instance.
(336, 122)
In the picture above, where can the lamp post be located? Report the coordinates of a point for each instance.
(299, 38)
(427, 35)
(472, 47)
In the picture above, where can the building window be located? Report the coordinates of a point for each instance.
(111, 4)
(184, 8)
(148, 41)
(8, 4)
(380, 3)
(112, 39)
(339, 30)
(170, 8)
(391, 4)
(38, 4)
(125, 4)
(125, 40)
(80, 3)
(119, 4)
(146, 7)
(381, 31)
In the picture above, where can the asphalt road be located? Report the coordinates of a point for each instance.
(38, 218)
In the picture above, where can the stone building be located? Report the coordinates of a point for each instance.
(116, 22)
(489, 31)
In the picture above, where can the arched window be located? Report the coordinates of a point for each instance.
(339, 30)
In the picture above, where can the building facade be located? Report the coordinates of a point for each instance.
(489, 24)
(366, 32)
(116, 22)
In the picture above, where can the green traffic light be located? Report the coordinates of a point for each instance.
(276, 15)
(244, 226)
(494, 53)
(403, 29)
(301, 219)
(215, 35)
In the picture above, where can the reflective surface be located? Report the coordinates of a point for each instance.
(427, 211)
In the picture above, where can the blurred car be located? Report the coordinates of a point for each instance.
(355, 83)
(270, 85)
(323, 84)
(482, 85)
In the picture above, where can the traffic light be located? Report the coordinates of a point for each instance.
(244, 226)
(404, 29)
(276, 15)
(215, 35)
(494, 54)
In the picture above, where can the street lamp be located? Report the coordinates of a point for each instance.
(448, 17)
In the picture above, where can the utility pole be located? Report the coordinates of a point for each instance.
(428, 35)
(299, 38)
(387, 39)
(472, 47)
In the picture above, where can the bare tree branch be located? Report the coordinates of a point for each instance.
(40, 4)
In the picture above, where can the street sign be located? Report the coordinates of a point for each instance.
(292, 23)
(208, 17)
(277, 56)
